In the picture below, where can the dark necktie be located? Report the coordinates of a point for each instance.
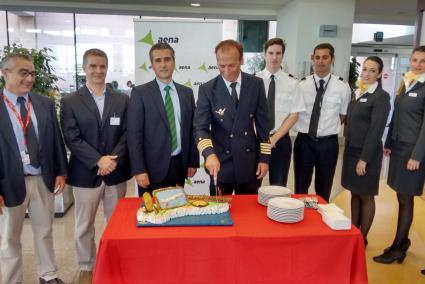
(315, 114)
(169, 109)
(31, 137)
(271, 101)
(234, 93)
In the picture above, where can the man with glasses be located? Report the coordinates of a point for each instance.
(32, 170)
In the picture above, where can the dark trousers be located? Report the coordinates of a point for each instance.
(227, 188)
(320, 154)
(175, 176)
(280, 161)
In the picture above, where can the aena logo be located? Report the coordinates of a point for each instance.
(149, 39)
(168, 39)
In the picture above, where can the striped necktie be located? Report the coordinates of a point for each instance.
(169, 109)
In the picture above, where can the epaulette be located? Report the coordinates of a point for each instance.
(340, 78)
(303, 78)
(292, 76)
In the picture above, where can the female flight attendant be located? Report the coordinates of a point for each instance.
(406, 147)
(366, 119)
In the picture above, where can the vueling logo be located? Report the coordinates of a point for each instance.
(148, 39)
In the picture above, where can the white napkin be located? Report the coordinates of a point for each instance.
(336, 220)
(331, 207)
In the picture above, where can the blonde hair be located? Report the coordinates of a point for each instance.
(401, 88)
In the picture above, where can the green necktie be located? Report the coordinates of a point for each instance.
(169, 109)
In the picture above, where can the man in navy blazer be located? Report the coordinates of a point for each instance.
(231, 124)
(94, 128)
(32, 170)
(160, 136)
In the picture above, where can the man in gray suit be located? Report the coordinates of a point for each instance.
(94, 128)
(161, 143)
(32, 170)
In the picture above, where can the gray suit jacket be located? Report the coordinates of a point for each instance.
(407, 123)
(89, 137)
(366, 120)
(149, 142)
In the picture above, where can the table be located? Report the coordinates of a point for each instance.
(255, 250)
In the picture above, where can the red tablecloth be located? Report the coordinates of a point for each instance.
(254, 250)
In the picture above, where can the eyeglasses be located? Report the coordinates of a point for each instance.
(24, 73)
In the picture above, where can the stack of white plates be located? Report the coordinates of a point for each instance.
(270, 191)
(285, 209)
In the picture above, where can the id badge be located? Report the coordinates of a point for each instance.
(115, 121)
(413, 95)
(363, 100)
(25, 158)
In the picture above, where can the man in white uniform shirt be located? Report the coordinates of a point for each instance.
(326, 98)
(284, 101)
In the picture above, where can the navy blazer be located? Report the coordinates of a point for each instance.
(366, 120)
(240, 135)
(52, 151)
(149, 134)
(408, 121)
(89, 137)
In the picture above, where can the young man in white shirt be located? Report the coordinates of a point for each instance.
(326, 98)
(285, 101)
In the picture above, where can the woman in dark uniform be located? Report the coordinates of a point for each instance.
(366, 119)
(406, 146)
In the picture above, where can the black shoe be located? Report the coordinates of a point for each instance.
(53, 281)
(404, 246)
(390, 256)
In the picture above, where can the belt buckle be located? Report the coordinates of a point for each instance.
(314, 138)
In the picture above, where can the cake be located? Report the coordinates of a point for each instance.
(172, 202)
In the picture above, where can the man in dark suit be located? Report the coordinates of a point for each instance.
(94, 127)
(231, 124)
(32, 170)
(161, 144)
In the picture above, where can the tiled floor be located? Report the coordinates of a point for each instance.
(381, 236)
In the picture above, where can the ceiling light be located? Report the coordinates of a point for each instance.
(195, 4)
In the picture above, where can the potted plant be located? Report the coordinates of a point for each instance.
(45, 80)
(354, 74)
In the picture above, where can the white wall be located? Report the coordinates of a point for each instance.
(299, 24)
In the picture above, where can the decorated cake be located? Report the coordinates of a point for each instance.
(172, 202)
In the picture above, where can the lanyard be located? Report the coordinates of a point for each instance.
(324, 89)
(18, 116)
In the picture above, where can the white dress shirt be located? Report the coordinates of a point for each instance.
(421, 79)
(335, 102)
(369, 90)
(238, 85)
(177, 113)
(17, 128)
(289, 98)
